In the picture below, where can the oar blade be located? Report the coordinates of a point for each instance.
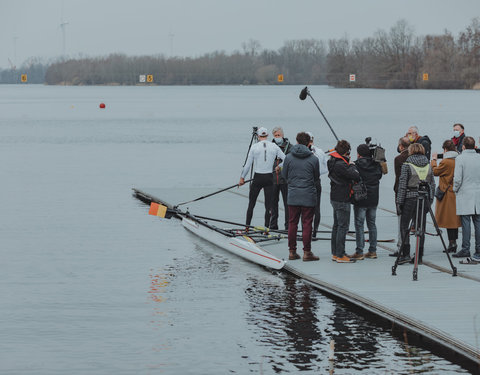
(158, 210)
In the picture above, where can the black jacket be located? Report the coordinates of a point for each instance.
(426, 143)
(371, 173)
(342, 175)
(286, 147)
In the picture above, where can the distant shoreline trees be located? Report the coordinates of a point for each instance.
(394, 59)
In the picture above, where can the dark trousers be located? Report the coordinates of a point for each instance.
(341, 221)
(260, 181)
(317, 216)
(452, 234)
(409, 213)
(277, 189)
(306, 213)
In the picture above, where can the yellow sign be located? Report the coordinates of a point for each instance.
(23, 78)
(280, 78)
(425, 76)
(150, 78)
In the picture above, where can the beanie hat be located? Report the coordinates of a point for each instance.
(363, 150)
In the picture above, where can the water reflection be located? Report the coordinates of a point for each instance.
(298, 323)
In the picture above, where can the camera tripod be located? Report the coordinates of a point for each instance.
(421, 208)
(253, 140)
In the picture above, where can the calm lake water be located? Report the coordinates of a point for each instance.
(90, 284)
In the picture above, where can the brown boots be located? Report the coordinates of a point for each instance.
(293, 255)
(308, 256)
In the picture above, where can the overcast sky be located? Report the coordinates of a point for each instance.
(31, 28)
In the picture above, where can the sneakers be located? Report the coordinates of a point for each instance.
(345, 259)
(371, 255)
(476, 257)
(405, 259)
(462, 254)
(334, 258)
(357, 256)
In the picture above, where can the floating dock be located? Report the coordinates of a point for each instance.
(440, 307)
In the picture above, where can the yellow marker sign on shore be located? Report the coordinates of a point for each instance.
(280, 78)
(150, 78)
(425, 76)
(23, 78)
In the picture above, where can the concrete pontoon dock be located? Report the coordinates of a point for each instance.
(438, 306)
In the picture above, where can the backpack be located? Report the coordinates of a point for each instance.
(359, 191)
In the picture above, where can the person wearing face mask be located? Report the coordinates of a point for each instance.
(322, 159)
(425, 141)
(458, 136)
(279, 183)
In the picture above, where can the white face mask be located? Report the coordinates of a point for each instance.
(278, 141)
(456, 133)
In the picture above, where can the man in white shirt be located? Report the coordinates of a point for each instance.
(261, 156)
(322, 159)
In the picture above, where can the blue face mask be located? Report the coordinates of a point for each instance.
(456, 133)
(278, 141)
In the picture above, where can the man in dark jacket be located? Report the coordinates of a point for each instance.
(402, 148)
(370, 173)
(342, 174)
(458, 136)
(279, 183)
(301, 170)
(425, 141)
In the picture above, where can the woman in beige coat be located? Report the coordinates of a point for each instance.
(445, 210)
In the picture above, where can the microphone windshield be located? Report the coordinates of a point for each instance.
(303, 93)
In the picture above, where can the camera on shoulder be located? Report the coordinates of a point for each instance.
(377, 152)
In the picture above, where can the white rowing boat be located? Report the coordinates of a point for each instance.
(241, 245)
(234, 241)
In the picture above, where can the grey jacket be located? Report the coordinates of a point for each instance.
(301, 170)
(466, 183)
(407, 179)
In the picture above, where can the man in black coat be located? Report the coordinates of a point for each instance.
(342, 175)
(425, 141)
(371, 173)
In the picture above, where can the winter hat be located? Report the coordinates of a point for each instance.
(363, 150)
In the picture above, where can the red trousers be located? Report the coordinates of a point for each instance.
(294, 213)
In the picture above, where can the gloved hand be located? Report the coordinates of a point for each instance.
(399, 209)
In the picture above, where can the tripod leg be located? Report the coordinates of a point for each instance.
(439, 232)
(419, 230)
(400, 252)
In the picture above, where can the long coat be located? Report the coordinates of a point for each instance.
(445, 210)
(466, 183)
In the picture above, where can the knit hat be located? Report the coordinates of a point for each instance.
(363, 150)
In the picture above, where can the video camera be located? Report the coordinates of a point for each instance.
(377, 152)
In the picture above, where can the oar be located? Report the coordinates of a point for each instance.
(209, 195)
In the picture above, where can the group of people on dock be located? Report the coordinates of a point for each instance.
(293, 171)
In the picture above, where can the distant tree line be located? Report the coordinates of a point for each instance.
(389, 59)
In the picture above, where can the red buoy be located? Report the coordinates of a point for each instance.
(102, 105)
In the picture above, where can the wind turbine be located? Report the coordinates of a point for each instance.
(63, 24)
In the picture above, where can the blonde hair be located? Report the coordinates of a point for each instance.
(416, 148)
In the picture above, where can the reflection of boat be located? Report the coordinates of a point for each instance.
(236, 241)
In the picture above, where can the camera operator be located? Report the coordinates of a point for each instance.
(416, 178)
(371, 173)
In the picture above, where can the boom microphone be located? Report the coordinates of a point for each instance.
(303, 93)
